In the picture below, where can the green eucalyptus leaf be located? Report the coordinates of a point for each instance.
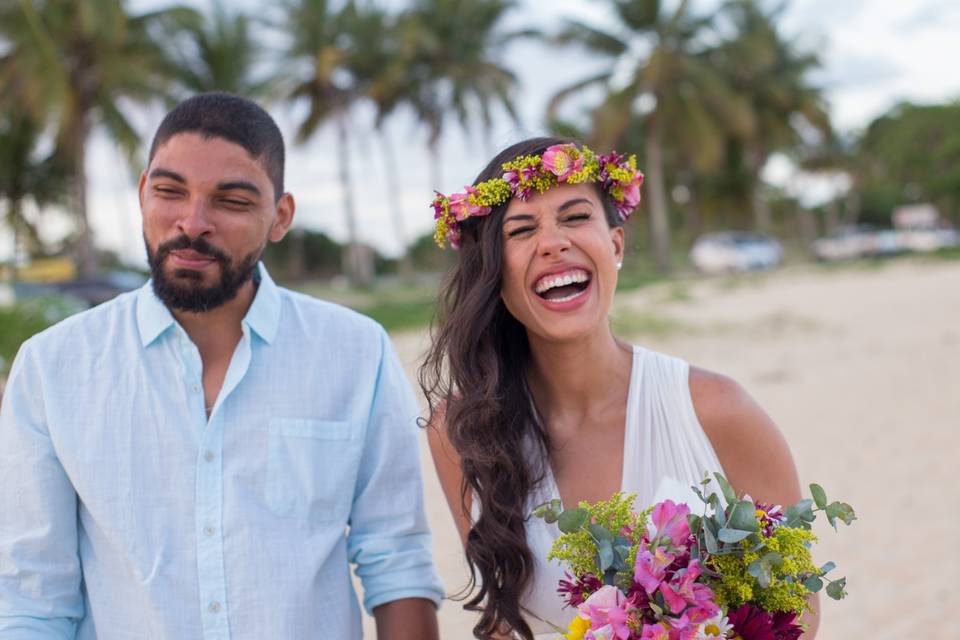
(600, 534)
(841, 510)
(733, 535)
(827, 568)
(572, 520)
(710, 539)
(728, 493)
(605, 554)
(819, 496)
(836, 589)
(743, 516)
(813, 584)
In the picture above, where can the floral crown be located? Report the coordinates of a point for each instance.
(561, 163)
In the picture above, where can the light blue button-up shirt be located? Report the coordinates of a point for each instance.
(126, 513)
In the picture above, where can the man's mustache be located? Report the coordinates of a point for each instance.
(200, 245)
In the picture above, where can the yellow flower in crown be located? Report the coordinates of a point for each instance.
(560, 163)
(578, 628)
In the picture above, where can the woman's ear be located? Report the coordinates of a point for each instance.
(617, 237)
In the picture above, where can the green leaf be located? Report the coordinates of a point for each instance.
(813, 584)
(572, 520)
(819, 496)
(600, 533)
(549, 511)
(743, 516)
(840, 510)
(605, 554)
(733, 535)
(836, 589)
(728, 493)
(827, 568)
(710, 539)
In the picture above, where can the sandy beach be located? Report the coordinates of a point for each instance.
(860, 368)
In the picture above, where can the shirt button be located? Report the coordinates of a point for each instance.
(208, 456)
(208, 531)
(214, 607)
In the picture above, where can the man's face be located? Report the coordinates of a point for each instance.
(208, 211)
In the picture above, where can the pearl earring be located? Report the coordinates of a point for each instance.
(619, 266)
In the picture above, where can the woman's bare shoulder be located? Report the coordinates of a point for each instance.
(752, 450)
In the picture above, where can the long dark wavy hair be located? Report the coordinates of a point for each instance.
(475, 380)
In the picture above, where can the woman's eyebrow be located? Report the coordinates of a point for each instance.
(571, 203)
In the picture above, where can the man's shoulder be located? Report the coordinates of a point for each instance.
(90, 327)
(314, 313)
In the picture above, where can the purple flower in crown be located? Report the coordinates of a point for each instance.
(562, 160)
(607, 162)
(519, 181)
(462, 208)
(437, 205)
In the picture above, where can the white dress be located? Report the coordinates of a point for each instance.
(665, 450)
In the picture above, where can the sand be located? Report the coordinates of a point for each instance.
(860, 368)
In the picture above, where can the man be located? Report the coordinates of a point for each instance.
(202, 458)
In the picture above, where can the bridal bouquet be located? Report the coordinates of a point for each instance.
(742, 569)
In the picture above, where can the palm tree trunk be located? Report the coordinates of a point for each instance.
(394, 194)
(762, 220)
(351, 263)
(436, 166)
(86, 251)
(659, 215)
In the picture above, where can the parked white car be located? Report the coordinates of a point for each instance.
(858, 241)
(735, 251)
(927, 240)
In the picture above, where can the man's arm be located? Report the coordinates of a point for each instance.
(39, 563)
(407, 619)
(389, 540)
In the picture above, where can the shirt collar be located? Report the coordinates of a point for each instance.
(263, 316)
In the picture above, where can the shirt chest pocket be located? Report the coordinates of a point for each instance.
(311, 469)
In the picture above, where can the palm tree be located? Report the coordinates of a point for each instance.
(25, 177)
(771, 73)
(221, 54)
(659, 84)
(83, 59)
(325, 45)
(453, 46)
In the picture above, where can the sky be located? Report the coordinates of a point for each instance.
(875, 53)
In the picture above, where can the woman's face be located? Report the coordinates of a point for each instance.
(560, 262)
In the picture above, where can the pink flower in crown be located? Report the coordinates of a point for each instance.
(650, 569)
(437, 205)
(631, 197)
(562, 160)
(519, 181)
(453, 237)
(655, 632)
(681, 593)
(670, 521)
(606, 611)
(462, 208)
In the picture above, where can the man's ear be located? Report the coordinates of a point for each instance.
(286, 207)
(141, 186)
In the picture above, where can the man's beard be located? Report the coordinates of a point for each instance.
(183, 291)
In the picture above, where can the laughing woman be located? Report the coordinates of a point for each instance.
(532, 396)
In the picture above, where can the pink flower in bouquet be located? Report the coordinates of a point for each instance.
(670, 521)
(607, 614)
(462, 208)
(650, 569)
(562, 160)
(770, 516)
(655, 632)
(685, 591)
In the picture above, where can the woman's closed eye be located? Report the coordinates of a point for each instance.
(516, 231)
(577, 217)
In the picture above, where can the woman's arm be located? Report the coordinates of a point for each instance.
(447, 463)
(754, 454)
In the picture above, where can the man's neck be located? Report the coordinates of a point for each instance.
(218, 330)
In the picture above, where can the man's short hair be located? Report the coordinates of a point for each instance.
(235, 119)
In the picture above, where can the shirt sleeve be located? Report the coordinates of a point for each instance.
(39, 563)
(389, 539)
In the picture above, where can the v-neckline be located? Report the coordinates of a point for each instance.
(553, 489)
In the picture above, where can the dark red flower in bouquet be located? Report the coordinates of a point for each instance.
(753, 623)
(576, 590)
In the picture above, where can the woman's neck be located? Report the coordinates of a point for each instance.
(575, 378)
